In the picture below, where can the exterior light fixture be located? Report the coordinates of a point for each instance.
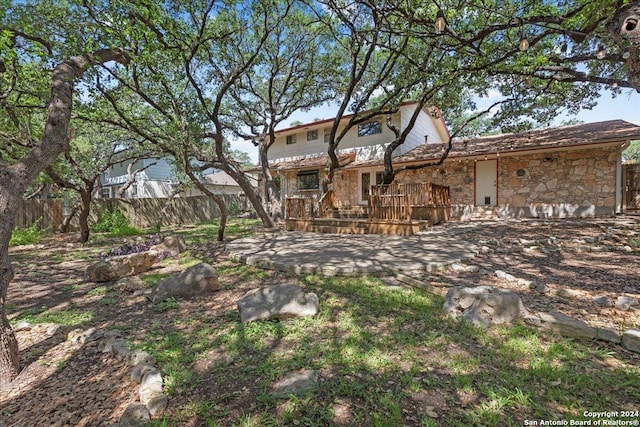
(626, 53)
(440, 22)
(614, 85)
(601, 52)
(524, 43)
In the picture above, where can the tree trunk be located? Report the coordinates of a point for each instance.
(66, 221)
(272, 201)
(10, 200)
(83, 218)
(15, 179)
(250, 191)
(216, 198)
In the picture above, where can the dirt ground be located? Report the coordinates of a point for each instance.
(563, 265)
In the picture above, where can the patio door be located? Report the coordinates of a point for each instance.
(486, 182)
(367, 179)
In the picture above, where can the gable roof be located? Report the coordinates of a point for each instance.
(607, 132)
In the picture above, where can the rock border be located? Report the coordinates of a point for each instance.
(152, 401)
(553, 321)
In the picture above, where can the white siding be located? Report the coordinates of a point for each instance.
(161, 171)
(367, 147)
(425, 125)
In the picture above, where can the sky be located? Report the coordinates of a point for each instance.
(625, 106)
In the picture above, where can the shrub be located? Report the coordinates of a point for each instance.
(115, 223)
(28, 235)
(109, 220)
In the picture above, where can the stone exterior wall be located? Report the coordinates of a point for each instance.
(575, 183)
(561, 184)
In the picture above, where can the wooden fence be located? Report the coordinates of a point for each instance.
(299, 208)
(141, 213)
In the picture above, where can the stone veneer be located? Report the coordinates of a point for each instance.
(569, 183)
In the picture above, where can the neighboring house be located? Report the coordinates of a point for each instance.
(298, 157)
(571, 171)
(157, 179)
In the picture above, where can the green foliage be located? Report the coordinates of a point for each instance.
(115, 223)
(28, 235)
(632, 153)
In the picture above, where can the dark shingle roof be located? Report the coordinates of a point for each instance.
(561, 137)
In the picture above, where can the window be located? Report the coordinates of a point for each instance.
(370, 128)
(312, 135)
(105, 193)
(327, 135)
(291, 139)
(308, 180)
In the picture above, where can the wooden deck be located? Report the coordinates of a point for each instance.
(355, 226)
(402, 209)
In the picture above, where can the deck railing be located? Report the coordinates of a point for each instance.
(396, 201)
(422, 193)
(299, 207)
(390, 206)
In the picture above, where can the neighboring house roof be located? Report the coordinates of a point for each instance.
(544, 139)
(223, 179)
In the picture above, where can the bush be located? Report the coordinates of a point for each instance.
(115, 223)
(28, 235)
(108, 221)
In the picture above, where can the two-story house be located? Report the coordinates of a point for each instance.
(570, 171)
(157, 179)
(298, 157)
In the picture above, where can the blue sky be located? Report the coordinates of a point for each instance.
(625, 106)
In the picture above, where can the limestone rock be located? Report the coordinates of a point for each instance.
(569, 327)
(140, 370)
(192, 282)
(150, 386)
(135, 415)
(157, 404)
(277, 302)
(296, 383)
(130, 284)
(117, 267)
(174, 245)
(117, 347)
(53, 329)
(137, 357)
(602, 301)
(483, 305)
(567, 293)
(631, 340)
(22, 325)
(625, 303)
(82, 337)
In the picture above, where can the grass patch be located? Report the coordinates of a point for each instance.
(377, 348)
(66, 317)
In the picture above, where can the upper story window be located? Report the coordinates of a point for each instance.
(327, 135)
(370, 128)
(308, 180)
(312, 135)
(291, 139)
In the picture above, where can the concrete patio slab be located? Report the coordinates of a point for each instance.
(351, 255)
